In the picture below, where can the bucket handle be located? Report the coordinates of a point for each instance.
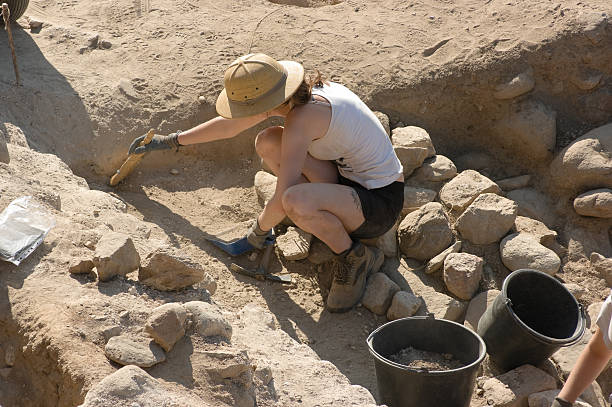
(582, 328)
(508, 303)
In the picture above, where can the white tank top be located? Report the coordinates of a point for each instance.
(356, 140)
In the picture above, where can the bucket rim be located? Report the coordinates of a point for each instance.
(547, 340)
(478, 361)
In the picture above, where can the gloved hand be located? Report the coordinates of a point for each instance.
(157, 143)
(561, 403)
(256, 236)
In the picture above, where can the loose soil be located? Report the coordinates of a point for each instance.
(423, 359)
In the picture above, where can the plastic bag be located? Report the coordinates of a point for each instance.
(23, 226)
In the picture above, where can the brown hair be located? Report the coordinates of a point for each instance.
(303, 94)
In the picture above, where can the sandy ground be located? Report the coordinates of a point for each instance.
(160, 65)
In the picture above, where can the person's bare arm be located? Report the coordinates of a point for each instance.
(590, 364)
(218, 128)
(302, 126)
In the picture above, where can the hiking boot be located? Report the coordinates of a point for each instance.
(350, 273)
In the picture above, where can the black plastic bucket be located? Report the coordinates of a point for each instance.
(401, 386)
(532, 317)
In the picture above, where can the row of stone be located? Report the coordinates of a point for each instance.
(163, 269)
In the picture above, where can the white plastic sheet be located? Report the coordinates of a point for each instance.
(23, 226)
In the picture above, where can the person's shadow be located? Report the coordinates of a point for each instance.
(44, 113)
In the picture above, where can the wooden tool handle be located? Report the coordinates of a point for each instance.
(147, 138)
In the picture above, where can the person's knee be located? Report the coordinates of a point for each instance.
(296, 202)
(268, 141)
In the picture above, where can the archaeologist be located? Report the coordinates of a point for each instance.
(591, 361)
(338, 175)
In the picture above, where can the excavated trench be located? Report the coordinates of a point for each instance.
(571, 92)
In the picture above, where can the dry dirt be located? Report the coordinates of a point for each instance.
(434, 64)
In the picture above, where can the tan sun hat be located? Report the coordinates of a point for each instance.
(257, 83)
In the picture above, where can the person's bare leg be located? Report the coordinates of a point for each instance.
(268, 147)
(328, 211)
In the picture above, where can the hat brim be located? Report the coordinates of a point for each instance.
(232, 110)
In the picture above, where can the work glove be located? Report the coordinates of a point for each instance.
(157, 143)
(561, 403)
(256, 236)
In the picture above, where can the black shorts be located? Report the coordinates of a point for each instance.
(381, 207)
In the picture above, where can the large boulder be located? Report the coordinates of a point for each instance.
(462, 274)
(519, 85)
(208, 320)
(530, 130)
(166, 270)
(379, 292)
(412, 146)
(487, 219)
(127, 351)
(477, 307)
(461, 191)
(415, 197)
(596, 203)
(425, 232)
(265, 185)
(523, 251)
(437, 261)
(115, 255)
(294, 244)
(586, 162)
(403, 304)
(435, 169)
(131, 386)
(514, 387)
(537, 229)
(166, 325)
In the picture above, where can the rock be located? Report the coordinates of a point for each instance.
(586, 163)
(522, 251)
(508, 184)
(125, 86)
(437, 262)
(461, 191)
(596, 203)
(201, 99)
(208, 320)
(415, 197)
(535, 228)
(403, 304)
(412, 146)
(586, 79)
(92, 41)
(532, 204)
(387, 242)
(603, 265)
(115, 255)
(295, 244)
(519, 85)
(435, 169)
(34, 23)
(125, 351)
(487, 219)
(174, 171)
(477, 306)
(4, 153)
(105, 44)
(111, 331)
(425, 232)
(166, 325)
(265, 185)
(379, 292)
(319, 252)
(530, 130)
(131, 386)
(80, 266)
(384, 120)
(514, 387)
(546, 398)
(440, 305)
(593, 396)
(264, 374)
(462, 274)
(165, 270)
